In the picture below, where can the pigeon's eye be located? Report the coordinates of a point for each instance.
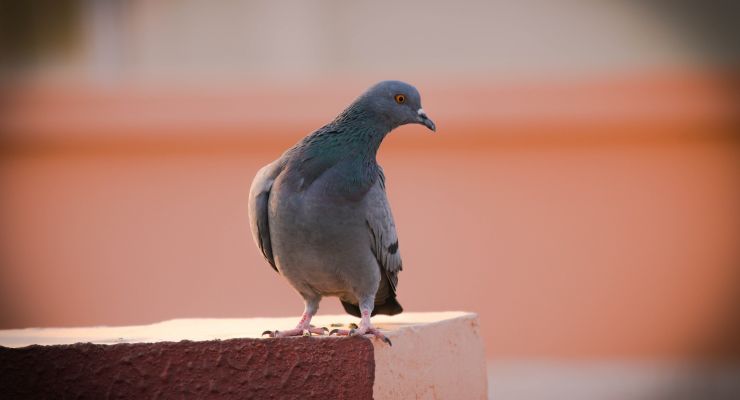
(400, 99)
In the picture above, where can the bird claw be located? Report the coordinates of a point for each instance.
(360, 332)
(296, 332)
(315, 331)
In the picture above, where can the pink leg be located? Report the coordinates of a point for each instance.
(366, 327)
(303, 328)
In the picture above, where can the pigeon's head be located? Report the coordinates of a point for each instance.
(397, 103)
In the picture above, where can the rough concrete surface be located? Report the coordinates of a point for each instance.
(231, 369)
(434, 355)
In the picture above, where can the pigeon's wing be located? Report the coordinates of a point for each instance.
(259, 198)
(384, 243)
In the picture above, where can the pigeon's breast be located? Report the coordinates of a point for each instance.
(319, 236)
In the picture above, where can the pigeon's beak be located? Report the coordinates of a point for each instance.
(424, 120)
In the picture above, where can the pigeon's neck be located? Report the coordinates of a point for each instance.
(351, 143)
(362, 132)
(362, 144)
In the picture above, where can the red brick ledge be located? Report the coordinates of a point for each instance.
(435, 355)
(229, 369)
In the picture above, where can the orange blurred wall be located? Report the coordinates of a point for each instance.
(610, 232)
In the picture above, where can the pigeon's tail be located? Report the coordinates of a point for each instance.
(389, 307)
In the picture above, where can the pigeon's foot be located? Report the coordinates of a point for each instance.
(304, 327)
(296, 332)
(362, 330)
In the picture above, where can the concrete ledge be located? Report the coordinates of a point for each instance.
(434, 355)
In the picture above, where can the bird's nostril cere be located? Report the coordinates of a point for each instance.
(424, 120)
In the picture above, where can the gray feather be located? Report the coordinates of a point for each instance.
(259, 197)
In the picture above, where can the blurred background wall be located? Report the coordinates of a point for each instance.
(582, 193)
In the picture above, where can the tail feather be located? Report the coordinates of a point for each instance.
(351, 309)
(389, 307)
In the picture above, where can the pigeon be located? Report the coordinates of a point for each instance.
(320, 215)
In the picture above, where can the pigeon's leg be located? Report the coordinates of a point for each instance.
(366, 327)
(304, 327)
